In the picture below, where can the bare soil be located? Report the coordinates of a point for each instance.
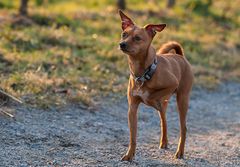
(72, 136)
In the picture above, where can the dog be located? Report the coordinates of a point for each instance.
(154, 78)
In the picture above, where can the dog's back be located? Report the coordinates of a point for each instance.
(173, 53)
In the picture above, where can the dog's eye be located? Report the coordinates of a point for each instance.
(137, 38)
(124, 35)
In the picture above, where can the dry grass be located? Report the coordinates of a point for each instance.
(72, 45)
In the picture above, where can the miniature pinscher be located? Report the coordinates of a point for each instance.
(154, 78)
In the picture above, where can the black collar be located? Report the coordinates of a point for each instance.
(147, 75)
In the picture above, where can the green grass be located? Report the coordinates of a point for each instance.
(73, 44)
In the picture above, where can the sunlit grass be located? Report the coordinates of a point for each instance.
(73, 46)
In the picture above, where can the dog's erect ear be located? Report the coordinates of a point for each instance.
(126, 21)
(152, 28)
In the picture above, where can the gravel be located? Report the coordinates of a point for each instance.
(72, 136)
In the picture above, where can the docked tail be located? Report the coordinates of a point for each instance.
(167, 47)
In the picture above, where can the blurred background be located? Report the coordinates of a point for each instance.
(57, 51)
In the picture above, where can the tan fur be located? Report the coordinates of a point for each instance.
(167, 47)
(173, 75)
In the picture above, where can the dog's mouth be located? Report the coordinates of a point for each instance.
(125, 50)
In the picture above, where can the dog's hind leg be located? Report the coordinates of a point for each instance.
(182, 103)
(162, 115)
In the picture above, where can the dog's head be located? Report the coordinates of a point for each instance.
(136, 40)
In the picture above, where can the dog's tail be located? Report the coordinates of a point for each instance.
(167, 47)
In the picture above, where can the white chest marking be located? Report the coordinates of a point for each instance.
(143, 94)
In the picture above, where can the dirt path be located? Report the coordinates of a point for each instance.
(75, 137)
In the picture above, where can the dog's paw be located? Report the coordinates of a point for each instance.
(163, 146)
(179, 154)
(127, 158)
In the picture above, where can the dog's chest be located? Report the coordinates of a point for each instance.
(143, 94)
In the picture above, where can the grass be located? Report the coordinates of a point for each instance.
(66, 51)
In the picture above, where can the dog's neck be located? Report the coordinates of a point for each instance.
(139, 63)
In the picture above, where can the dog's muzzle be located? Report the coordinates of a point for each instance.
(123, 46)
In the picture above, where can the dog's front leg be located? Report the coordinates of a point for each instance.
(132, 124)
(162, 115)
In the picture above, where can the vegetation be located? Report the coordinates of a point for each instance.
(68, 50)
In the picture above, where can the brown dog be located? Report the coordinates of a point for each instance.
(154, 78)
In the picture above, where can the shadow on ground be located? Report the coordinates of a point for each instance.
(72, 136)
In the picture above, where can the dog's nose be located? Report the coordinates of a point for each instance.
(123, 45)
